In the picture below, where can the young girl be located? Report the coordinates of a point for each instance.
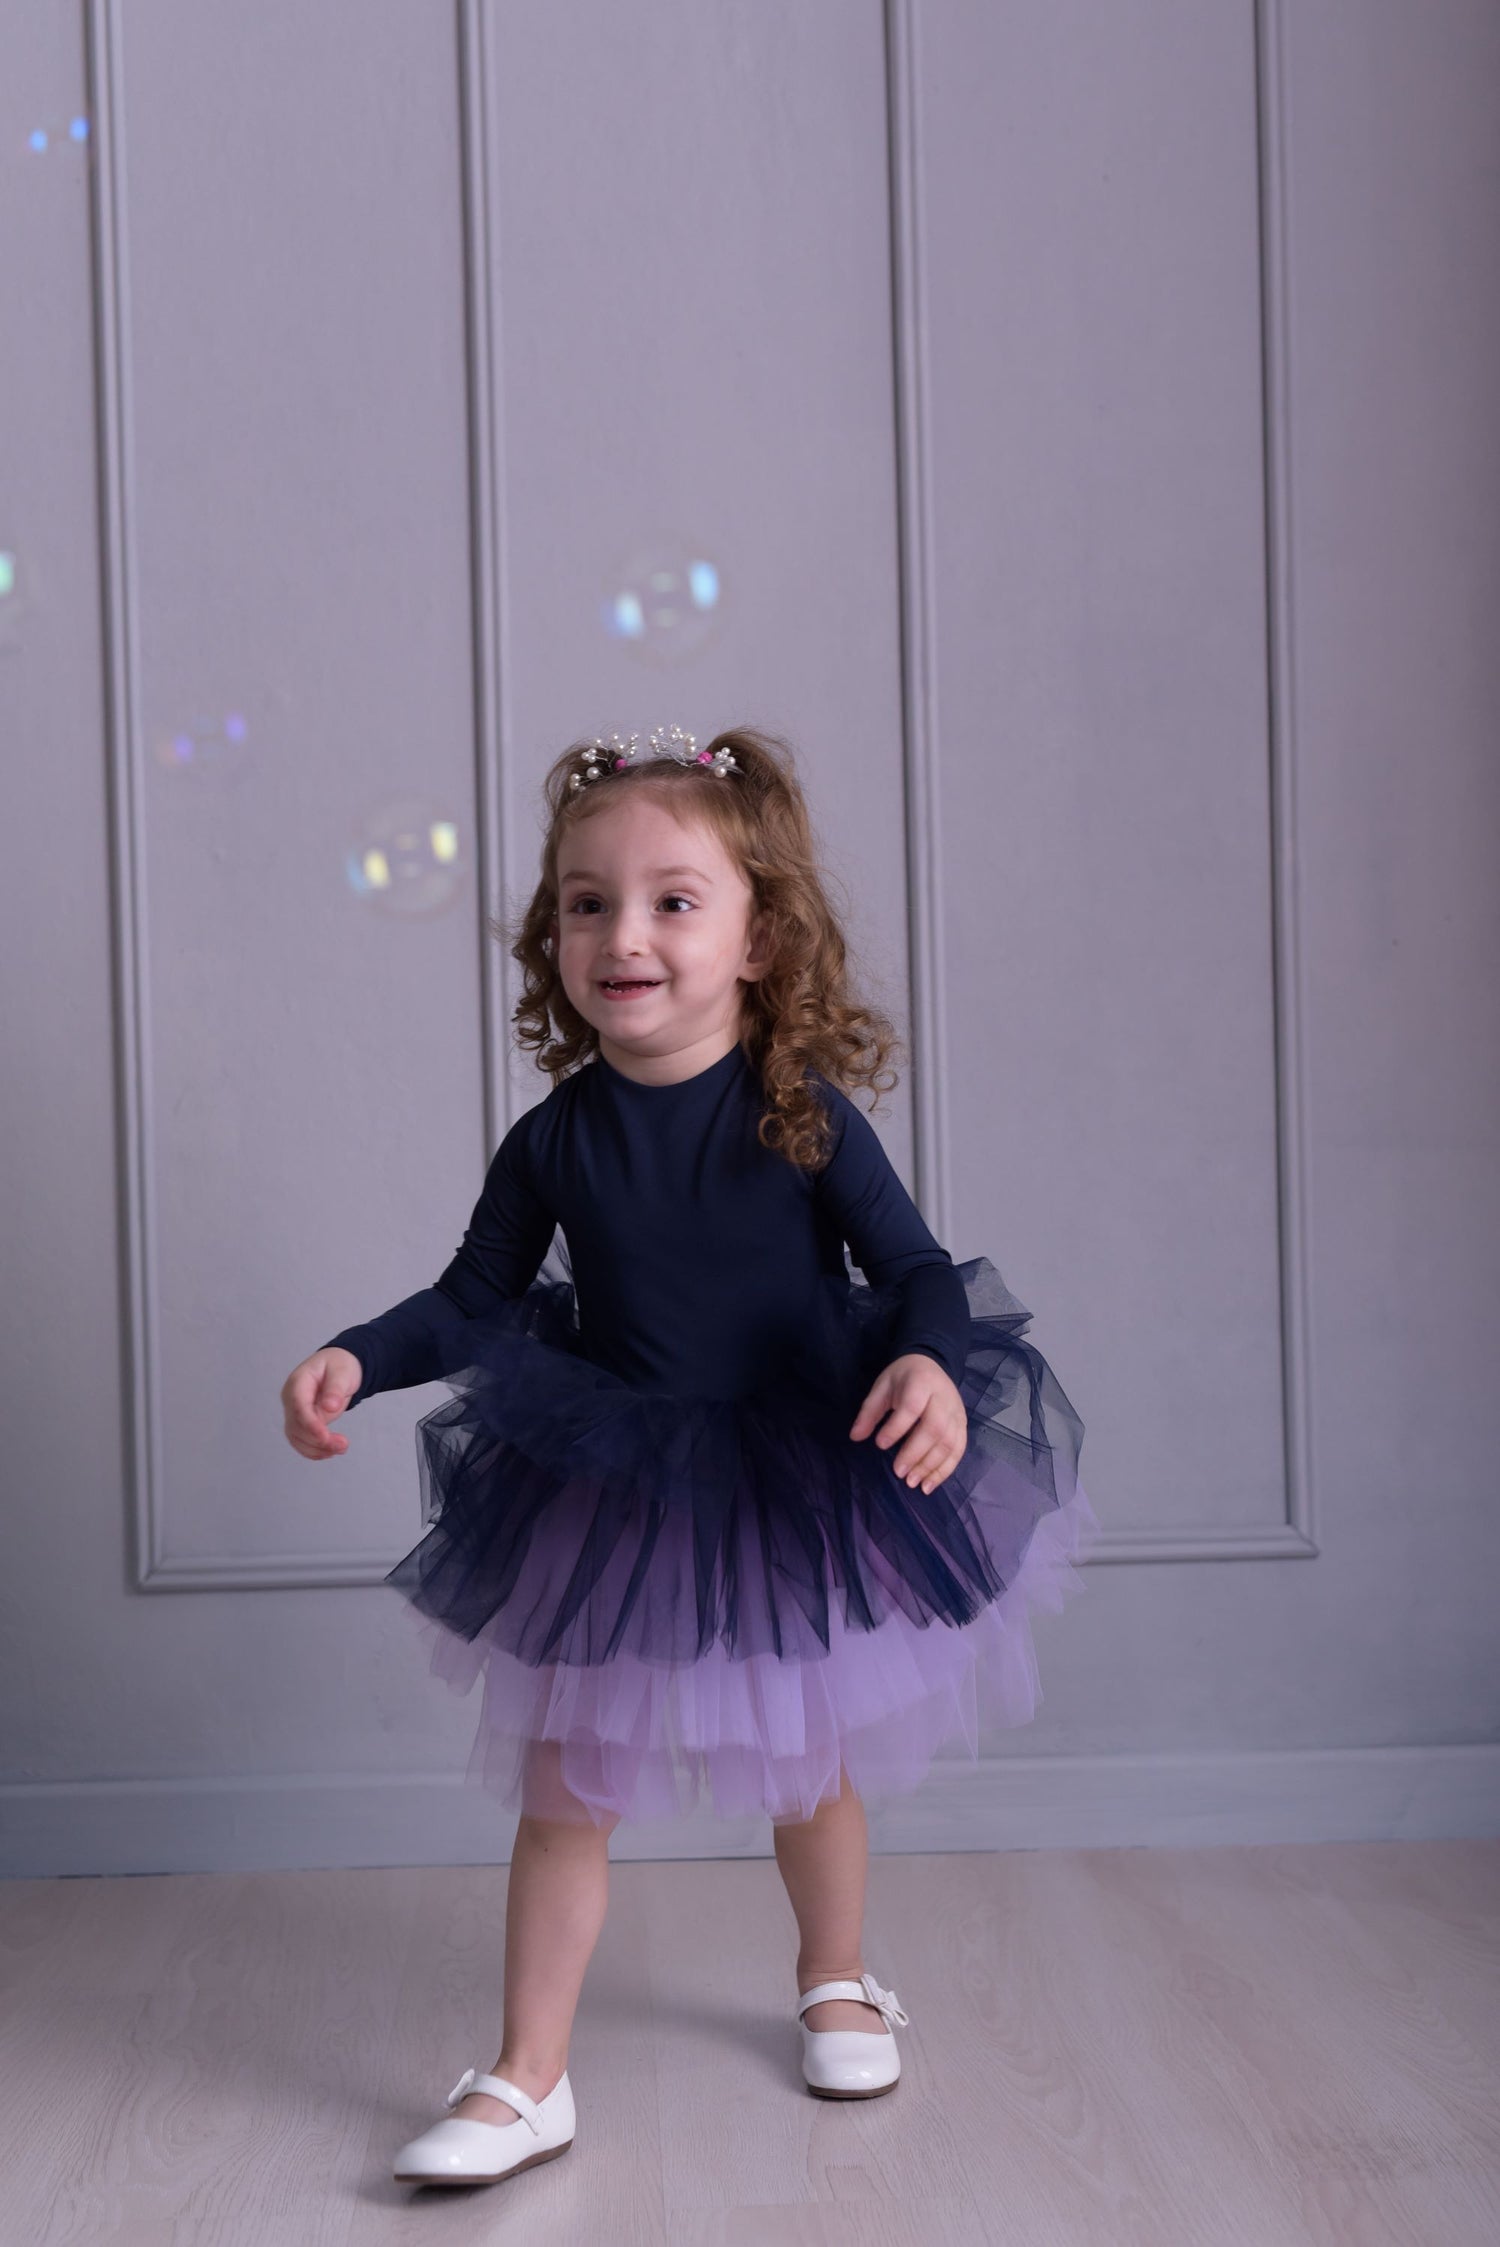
(709, 1519)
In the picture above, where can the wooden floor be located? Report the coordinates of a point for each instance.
(1266, 2046)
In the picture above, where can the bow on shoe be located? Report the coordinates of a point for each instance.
(888, 2002)
(497, 2087)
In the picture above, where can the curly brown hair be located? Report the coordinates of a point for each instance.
(802, 1013)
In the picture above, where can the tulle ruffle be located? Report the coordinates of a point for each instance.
(674, 1599)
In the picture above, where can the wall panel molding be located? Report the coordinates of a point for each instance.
(1293, 1538)
(156, 1568)
(495, 825)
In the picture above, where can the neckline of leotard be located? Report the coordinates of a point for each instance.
(616, 1076)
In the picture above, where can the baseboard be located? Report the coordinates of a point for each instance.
(1216, 1800)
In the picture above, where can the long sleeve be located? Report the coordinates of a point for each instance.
(501, 1252)
(890, 1241)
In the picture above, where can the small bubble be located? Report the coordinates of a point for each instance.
(406, 859)
(17, 592)
(40, 138)
(665, 600)
(203, 743)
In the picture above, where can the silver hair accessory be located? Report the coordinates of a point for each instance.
(609, 756)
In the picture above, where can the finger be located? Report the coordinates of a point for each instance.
(870, 1411)
(317, 1401)
(915, 1461)
(938, 1462)
(302, 1407)
(946, 1448)
(922, 1439)
(901, 1417)
(306, 1431)
(313, 1448)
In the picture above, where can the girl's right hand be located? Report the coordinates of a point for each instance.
(315, 1392)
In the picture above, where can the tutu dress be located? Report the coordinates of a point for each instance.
(649, 1532)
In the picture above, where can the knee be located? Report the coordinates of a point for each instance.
(844, 1799)
(548, 1803)
(562, 1821)
(791, 1823)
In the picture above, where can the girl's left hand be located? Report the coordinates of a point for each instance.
(921, 1398)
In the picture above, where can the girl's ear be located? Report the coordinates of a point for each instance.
(758, 949)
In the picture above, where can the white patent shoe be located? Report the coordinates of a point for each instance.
(851, 2063)
(460, 2152)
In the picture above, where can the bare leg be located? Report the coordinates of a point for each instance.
(823, 1861)
(554, 1910)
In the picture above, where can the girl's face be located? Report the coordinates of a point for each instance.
(646, 897)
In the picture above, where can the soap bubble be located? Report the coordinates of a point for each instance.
(407, 858)
(17, 591)
(204, 743)
(40, 139)
(665, 601)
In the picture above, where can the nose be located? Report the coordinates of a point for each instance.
(628, 937)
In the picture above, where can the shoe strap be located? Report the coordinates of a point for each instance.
(497, 2087)
(867, 1990)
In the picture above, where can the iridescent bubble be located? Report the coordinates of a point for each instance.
(203, 744)
(665, 602)
(15, 591)
(40, 139)
(407, 858)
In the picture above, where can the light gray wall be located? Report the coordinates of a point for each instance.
(1089, 408)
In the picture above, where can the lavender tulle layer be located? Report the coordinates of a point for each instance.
(674, 1600)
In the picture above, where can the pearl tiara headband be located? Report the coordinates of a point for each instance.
(611, 755)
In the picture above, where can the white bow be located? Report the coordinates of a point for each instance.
(888, 2002)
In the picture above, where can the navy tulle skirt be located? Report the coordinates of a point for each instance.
(679, 1599)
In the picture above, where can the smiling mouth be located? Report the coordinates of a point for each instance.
(630, 983)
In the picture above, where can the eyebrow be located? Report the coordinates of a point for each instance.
(653, 874)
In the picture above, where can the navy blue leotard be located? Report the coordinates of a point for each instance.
(697, 1253)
